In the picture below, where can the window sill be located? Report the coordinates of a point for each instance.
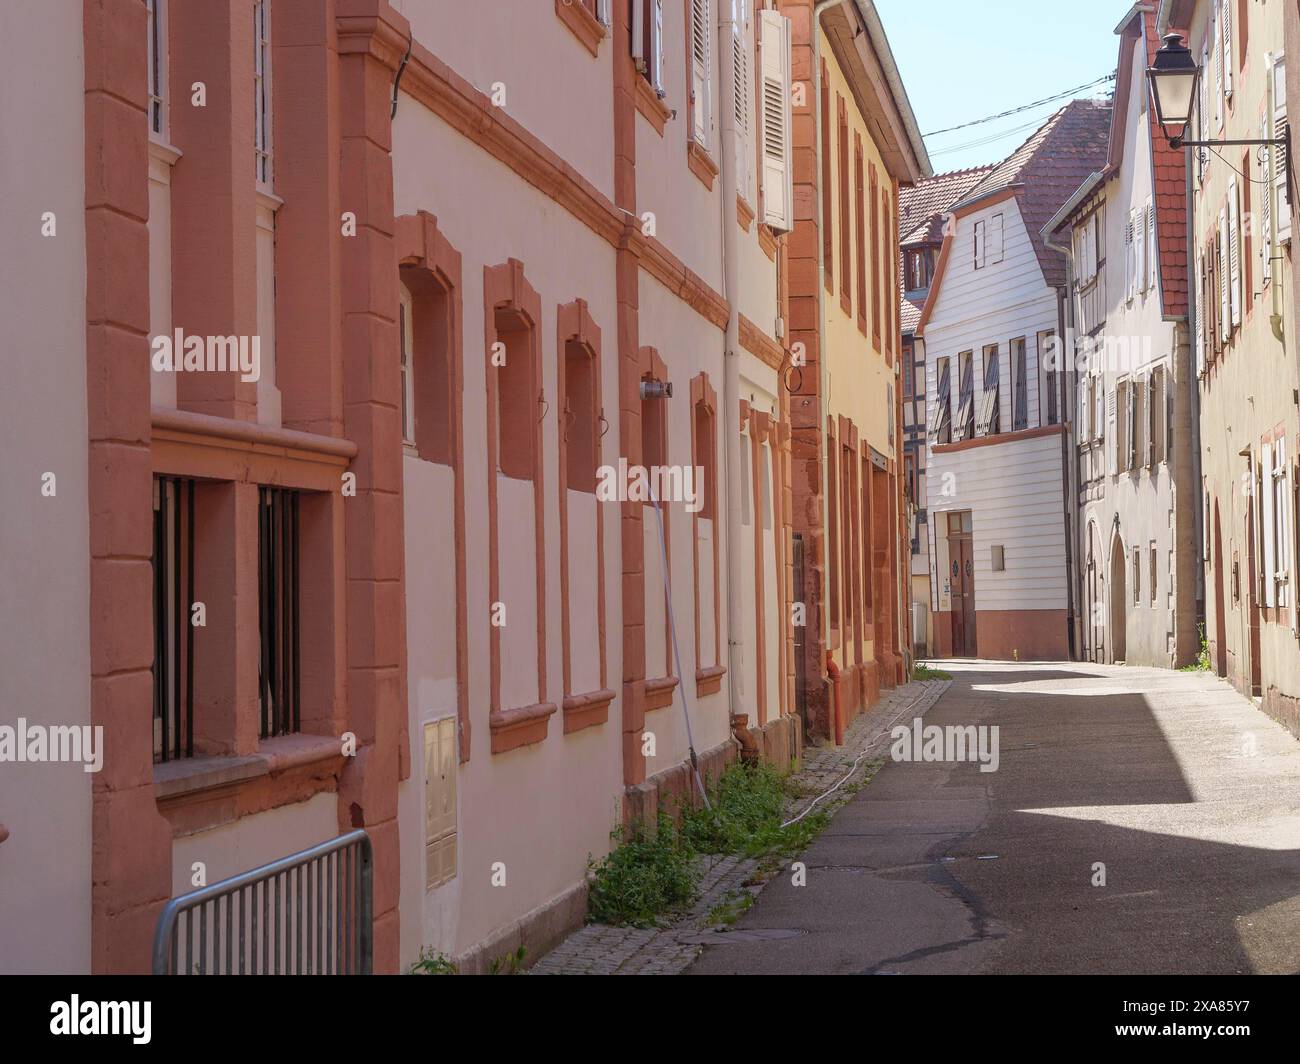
(164, 151)
(701, 164)
(582, 24)
(525, 726)
(659, 693)
(586, 711)
(174, 780)
(709, 681)
(652, 108)
(744, 213)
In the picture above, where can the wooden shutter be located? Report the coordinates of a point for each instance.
(981, 241)
(1281, 198)
(1226, 10)
(778, 188)
(701, 72)
(996, 225)
(1130, 258)
(1200, 314)
(1203, 113)
(1234, 251)
(1218, 68)
(1115, 425)
(1283, 518)
(740, 102)
(1269, 566)
(1225, 313)
(1266, 207)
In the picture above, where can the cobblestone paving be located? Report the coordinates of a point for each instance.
(599, 949)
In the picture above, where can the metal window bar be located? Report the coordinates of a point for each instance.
(278, 584)
(309, 913)
(173, 595)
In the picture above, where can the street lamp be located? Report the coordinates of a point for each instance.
(1174, 77)
(1173, 80)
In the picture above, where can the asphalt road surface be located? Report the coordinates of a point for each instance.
(1184, 791)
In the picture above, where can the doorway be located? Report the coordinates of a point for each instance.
(1118, 601)
(961, 554)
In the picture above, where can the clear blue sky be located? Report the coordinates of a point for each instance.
(967, 59)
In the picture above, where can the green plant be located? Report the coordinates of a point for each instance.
(747, 808)
(510, 963)
(734, 905)
(432, 963)
(1202, 663)
(645, 876)
(921, 671)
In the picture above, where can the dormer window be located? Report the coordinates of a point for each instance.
(919, 266)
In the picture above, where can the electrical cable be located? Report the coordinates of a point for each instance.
(1023, 107)
(856, 762)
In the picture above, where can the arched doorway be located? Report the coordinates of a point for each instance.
(1220, 624)
(1118, 601)
(1096, 597)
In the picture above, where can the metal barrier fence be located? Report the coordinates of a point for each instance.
(306, 914)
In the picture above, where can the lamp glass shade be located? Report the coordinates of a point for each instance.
(1173, 92)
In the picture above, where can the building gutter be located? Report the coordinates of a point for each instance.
(885, 54)
(1069, 403)
(823, 365)
(731, 370)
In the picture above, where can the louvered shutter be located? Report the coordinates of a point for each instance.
(1130, 260)
(1266, 208)
(1234, 251)
(1200, 314)
(1218, 69)
(1099, 412)
(1226, 12)
(1283, 517)
(740, 103)
(1281, 200)
(1115, 426)
(1225, 315)
(1203, 113)
(701, 72)
(778, 188)
(1270, 526)
(657, 49)
(1153, 251)
(985, 415)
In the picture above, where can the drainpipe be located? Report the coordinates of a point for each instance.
(823, 367)
(1194, 394)
(1068, 468)
(731, 368)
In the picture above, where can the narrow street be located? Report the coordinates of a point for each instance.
(1183, 790)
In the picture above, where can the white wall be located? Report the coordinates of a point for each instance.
(45, 566)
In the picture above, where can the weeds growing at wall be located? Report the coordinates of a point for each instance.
(922, 672)
(647, 879)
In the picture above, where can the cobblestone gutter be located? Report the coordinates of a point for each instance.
(599, 949)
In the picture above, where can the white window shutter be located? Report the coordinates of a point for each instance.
(1270, 528)
(1234, 251)
(1226, 11)
(1284, 521)
(1218, 69)
(1225, 327)
(640, 46)
(1099, 419)
(980, 244)
(603, 12)
(1115, 426)
(996, 225)
(701, 73)
(1266, 207)
(657, 71)
(1130, 266)
(1200, 315)
(778, 170)
(1140, 247)
(1153, 254)
(740, 102)
(1281, 201)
